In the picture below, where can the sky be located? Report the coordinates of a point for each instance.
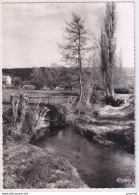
(31, 31)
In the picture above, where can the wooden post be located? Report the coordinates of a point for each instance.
(22, 107)
(14, 108)
(13, 105)
(19, 110)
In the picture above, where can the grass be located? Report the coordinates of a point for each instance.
(28, 167)
(108, 125)
(31, 128)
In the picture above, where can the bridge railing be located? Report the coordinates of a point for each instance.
(46, 99)
(53, 99)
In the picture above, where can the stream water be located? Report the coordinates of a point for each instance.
(99, 166)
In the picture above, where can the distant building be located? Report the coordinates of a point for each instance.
(6, 80)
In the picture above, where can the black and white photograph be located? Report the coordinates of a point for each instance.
(68, 103)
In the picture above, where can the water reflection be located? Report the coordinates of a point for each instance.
(99, 166)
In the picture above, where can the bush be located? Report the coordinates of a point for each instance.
(121, 91)
(7, 124)
(68, 87)
(8, 117)
(93, 97)
(29, 87)
(69, 93)
(113, 101)
(98, 88)
(17, 82)
(9, 86)
(56, 114)
(29, 123)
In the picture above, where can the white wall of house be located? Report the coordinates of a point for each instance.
(7, 79)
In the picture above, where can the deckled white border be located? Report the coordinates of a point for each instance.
(136, 41)
(1, 167)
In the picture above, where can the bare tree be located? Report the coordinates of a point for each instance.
(107, 48)
(75, 47)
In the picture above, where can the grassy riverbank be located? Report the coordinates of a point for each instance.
(108, 125)
(27, 167)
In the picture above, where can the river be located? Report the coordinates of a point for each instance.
(99, 166)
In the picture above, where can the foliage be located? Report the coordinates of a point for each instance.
(67, 93)
(27, 129)
(98, 88)
(115, 102)
(56, 114)
(52, 77)
(8, 117)
(17, 82)
(23, 73)
(28, 125)
(8, 86)
(29, 87)
(93, 97)
(121, 91)
(37, 78)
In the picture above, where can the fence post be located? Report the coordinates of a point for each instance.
(19, 112)
(13, 108)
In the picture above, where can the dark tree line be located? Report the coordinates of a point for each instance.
(23, 73)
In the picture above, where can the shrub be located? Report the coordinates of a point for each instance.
(98, 88)
(8, 117)
(17, 82)
(28, 123)
(7, 123)
(69, 93)
(121, 91)
(9, 86)
(68, 87)
(56, 114)
(113, 101)
(93, 97)
(29, 87)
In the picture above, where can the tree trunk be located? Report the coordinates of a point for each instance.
(80, 70)
(13, 109)
(81, 85)
(19, 112)
(88, 90)
(22, 107)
